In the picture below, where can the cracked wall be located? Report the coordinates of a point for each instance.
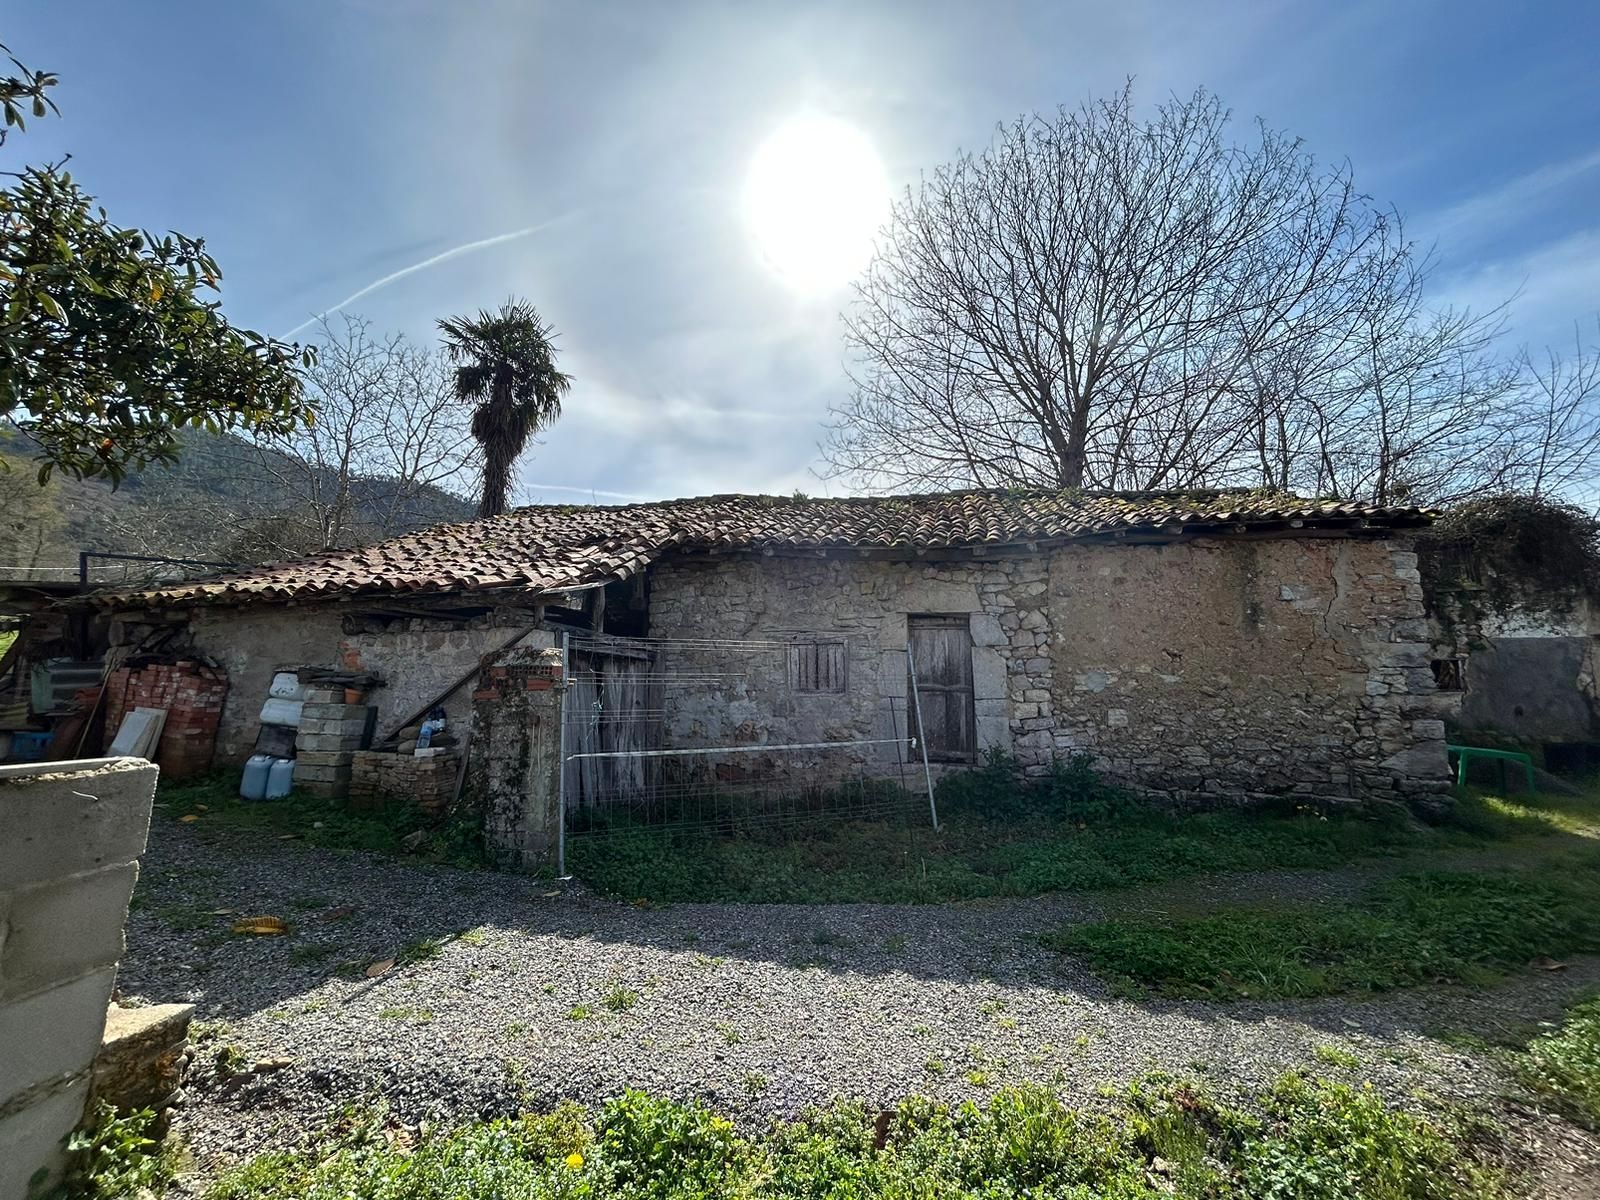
(1202, 670)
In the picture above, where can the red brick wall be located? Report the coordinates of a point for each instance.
(191, 692)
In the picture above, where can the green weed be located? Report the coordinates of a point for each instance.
(1563, 1067)
(1305, 1139)
(113, 1156)
(1004, 835)
(620, 998)
(1437, 927)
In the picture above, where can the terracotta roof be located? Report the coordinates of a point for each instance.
(556, 548)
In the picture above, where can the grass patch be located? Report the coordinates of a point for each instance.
(1308, 1139)
(1562, 1068)
(1437, 927)
(1004, 835)
(214, 804)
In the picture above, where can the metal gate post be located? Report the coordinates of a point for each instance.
(561, 784)
(922, 734)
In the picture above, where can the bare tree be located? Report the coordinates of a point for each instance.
(1561, 423)
(1098, 301)
(389, 436)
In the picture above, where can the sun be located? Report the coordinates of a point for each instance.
(815, 195)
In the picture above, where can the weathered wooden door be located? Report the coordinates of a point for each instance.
(941, 652)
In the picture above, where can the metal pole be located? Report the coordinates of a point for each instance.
(922, 736)
(561, 786)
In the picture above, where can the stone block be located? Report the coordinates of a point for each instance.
(986, 630)
(53, 1034)
(988, 674)
(63, 818)
(58, 930)
(141, 1055)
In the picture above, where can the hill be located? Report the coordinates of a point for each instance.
(225, 500)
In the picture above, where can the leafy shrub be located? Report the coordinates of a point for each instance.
(659, 1147)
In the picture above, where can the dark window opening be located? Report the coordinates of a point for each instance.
(1450, 674)
(817, 667)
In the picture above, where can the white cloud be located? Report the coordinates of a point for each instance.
(1505, 206)
(1555, 285)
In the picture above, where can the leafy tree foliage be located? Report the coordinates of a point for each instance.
(506, 368)
(111, 339)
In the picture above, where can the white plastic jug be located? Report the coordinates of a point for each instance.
(286, 685)
(280, 778)
(256, 770)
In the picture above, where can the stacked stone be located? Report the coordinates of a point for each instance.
(380, 779)
(331, 732)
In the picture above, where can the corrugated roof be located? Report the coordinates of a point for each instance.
(557, 548)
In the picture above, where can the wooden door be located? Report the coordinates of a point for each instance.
(941, 651)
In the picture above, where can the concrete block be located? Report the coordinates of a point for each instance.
(32, 1140)
(52, 1034)
(321, 742)
(63, 818)
(57, 931)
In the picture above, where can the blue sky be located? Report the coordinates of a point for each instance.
(320, 145)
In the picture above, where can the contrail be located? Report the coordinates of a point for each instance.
(423, 265)
(580, 491)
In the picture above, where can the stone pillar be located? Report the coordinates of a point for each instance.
(73, 833)
(514, 772)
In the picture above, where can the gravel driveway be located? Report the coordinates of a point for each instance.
(542, 994)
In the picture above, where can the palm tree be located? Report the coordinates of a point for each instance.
(505, 368)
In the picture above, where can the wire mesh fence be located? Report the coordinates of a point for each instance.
(724, 735)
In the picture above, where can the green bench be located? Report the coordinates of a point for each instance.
(1465, 754)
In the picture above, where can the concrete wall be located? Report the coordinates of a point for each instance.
(73, 833)
(1211, 669)
(416, 658)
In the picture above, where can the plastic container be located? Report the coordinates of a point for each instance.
(280, 778)
(434, 724)
(278, 711)
(256, 770)
(286, 685)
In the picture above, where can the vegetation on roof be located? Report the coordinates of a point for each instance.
(1509, 546)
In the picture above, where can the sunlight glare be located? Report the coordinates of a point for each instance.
(815, 195)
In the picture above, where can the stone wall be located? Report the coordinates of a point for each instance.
(416, 658)
(382, 779)
(73, 833)
(1206, 670)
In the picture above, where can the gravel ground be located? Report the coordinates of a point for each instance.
(759, 1009)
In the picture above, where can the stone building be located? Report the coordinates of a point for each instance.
(1216, 645)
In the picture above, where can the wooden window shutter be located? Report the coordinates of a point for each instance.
(817, 666)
